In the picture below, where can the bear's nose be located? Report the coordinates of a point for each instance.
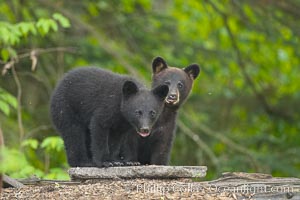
(144, 130)
(173, 96)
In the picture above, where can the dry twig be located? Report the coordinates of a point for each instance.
(33, 54)
(19, 103)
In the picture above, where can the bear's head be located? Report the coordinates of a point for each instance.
(180, 81)
(142, 107)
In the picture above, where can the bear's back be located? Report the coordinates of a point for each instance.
(86, 89)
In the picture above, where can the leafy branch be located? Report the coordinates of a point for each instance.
(11, 35)
(109, 45)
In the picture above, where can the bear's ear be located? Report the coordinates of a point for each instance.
(192, 70)
(129, 88)
(158, 64)
(161, 91)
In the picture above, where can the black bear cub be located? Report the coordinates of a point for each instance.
(93, 109)
(156, 148)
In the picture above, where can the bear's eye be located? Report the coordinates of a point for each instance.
(180, 85)
(138, 113)
(152, 114)
(167, 82)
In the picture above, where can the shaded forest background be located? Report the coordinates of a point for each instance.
(243, 112)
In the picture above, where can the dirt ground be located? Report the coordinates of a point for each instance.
(119, 190)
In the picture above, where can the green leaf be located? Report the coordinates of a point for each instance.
(32, 29)
(12, 52)
(44, 25)
(57, 173)
(27, 27)
(4, 34)
(93, 10)
(53, 143)
(5, 54)
(64, 22)
(8, 98)
(4, 107)
(32, 143)
(14, 160)
(24, 28)
(53, 25)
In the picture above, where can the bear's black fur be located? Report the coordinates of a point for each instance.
(93, 109)
(156, 148)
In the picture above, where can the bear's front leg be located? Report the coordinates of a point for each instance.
(99, 148)
(160, 154)
(129, 149)
(161, 149)
(99, 144)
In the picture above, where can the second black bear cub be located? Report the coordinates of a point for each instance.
(94, 108)
(156, 148)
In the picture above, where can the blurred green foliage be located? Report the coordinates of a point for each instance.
(242, 114)
(7, 101)
(24, 159)
(37, 159)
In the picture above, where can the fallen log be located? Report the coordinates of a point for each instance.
(149, 171)
(255, 186)
(10, 182)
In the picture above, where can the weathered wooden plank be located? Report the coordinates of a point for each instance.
(256, 186)
(38, 181)
(10, 182)
(149, 171)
